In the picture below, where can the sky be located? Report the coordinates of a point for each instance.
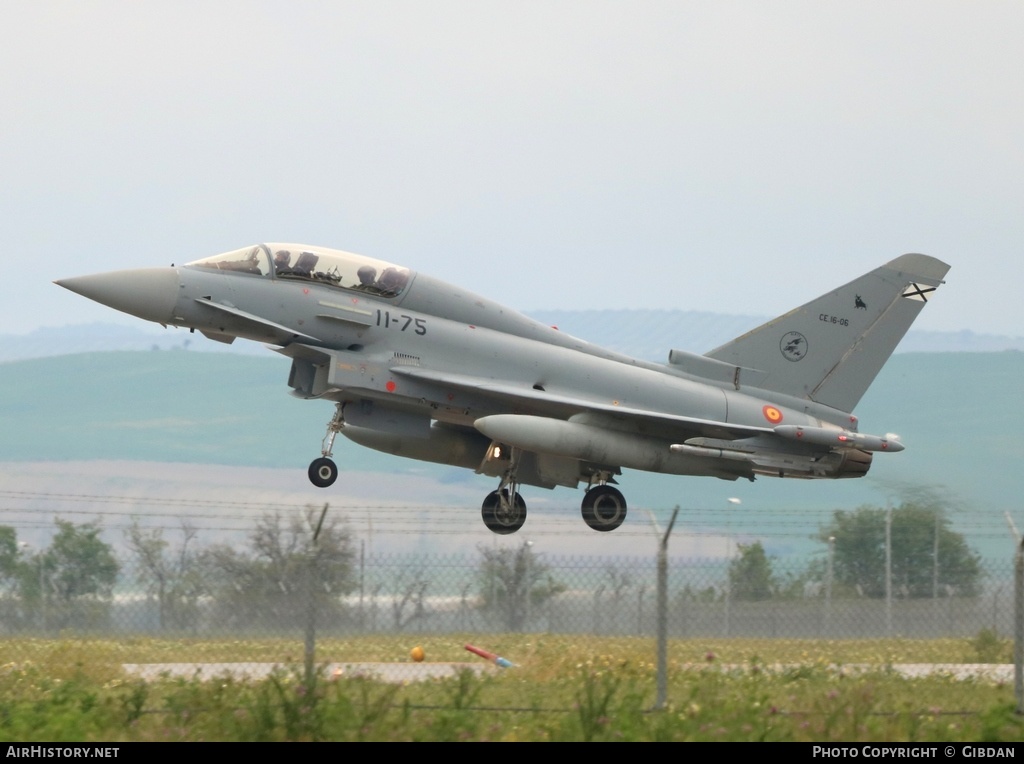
(735, 157)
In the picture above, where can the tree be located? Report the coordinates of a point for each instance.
(272, 580)
(8, 553)
(917, 531)
(410, 589)
(11, 577)
(750, 574)
(81, 571)
(512, 581)
(173, 577)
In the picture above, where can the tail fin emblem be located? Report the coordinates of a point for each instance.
(793, 346)
(917, 292)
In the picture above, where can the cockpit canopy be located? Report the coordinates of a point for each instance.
(319, 264)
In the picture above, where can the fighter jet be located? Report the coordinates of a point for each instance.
(423, 369)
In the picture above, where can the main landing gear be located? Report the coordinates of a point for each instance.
(603, 508)
(323, 471)
(502, 514)
(504, 510)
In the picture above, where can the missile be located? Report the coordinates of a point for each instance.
(712, 453)
(822, 436)
(849, 462)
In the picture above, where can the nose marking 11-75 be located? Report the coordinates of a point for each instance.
(401, 322)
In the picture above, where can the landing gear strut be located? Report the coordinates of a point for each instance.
(504, 510)
(323, 471)
(604, 508)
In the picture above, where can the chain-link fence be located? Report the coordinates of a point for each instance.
(425, 594)
(300, 586)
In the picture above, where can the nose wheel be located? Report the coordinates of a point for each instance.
(502, 514)
(604, 508)
(323, 472)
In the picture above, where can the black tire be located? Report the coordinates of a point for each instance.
(322, 472)
(604, 508)
(503, 517)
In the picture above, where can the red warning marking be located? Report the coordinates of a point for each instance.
(390, 386)
(772, 414)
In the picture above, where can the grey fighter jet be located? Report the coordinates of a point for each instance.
(426, 370)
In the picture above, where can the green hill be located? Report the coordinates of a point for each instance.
(158, 406)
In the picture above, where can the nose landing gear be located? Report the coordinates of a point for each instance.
(323, 471)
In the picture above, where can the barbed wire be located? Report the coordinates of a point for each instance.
(444, 527)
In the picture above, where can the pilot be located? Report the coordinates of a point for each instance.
(391, 282)
(282, 261)
(367, 279)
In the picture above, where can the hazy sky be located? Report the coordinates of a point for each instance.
(737, 157)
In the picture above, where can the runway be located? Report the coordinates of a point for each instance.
(400, 673)
(395, 673)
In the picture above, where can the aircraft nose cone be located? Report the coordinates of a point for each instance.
(148, 293)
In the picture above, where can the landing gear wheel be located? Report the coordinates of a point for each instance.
(501, 515)
(322, 472)
(604, 508)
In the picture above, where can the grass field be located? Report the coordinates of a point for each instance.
(560, 689)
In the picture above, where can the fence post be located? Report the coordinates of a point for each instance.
(1018, 627)
(888, 571)
(640, 610)
(311, 570)
(935, 577)
(659, 703)
(362, 585)
(827, 630)
(310, 640)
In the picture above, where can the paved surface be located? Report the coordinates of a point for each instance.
(994, 672)
(397, 673)
(991, 672)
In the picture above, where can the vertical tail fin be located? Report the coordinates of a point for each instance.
(831, 349)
